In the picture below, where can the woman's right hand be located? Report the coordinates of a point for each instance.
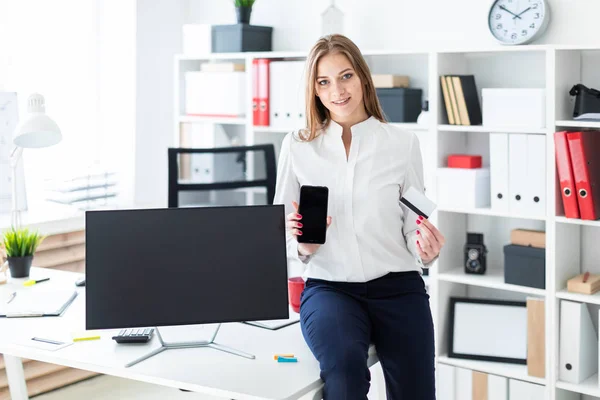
(295, 227)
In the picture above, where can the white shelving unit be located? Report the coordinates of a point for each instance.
(571, 245)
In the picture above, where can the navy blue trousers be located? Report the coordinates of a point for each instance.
(340, 320)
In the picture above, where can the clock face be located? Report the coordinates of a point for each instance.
(518, 21)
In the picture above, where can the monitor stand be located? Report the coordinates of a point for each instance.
(185, 345)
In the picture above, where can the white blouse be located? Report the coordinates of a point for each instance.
(371, 233)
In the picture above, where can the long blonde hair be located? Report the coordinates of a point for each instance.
(317, 115)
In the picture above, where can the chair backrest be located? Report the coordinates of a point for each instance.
(221, 168)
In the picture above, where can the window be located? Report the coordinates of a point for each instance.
(80, 55)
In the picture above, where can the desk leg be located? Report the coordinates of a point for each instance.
(16, 378)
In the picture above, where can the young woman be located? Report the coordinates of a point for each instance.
(364, 284)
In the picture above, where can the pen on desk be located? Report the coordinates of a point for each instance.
(12, 297)
(276, 356)
(32, 282)
(37, 339)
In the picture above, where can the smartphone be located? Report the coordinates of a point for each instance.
(313, 208)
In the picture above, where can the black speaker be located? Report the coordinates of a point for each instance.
(475, 254)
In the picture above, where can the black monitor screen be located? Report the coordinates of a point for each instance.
(177, 266)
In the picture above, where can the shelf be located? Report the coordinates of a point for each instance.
(241, 55)
(253, 190)
(484, 129)
(579, 297)
(491, 279)
(578, 124)
(213, 120)
(488, 211)
(589, 386)
(269, 129)
(577, 221)
(514, 371)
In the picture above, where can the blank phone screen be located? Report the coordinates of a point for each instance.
(313, 208)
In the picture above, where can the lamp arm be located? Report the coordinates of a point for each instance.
(15, 156)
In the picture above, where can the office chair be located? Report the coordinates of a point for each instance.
(220, 176)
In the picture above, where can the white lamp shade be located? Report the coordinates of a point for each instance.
(37, 130)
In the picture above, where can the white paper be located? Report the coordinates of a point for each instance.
(29, 342)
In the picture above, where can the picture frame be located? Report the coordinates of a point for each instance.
(488, 330)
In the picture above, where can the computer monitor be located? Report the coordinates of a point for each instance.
(180, 266)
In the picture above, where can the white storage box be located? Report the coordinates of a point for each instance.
(215, 94)
(514, 108)
(463, 187)
(196, 39)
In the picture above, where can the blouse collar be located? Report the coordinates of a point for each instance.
(363, 127)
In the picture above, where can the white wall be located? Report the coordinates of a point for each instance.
(158, 40)
(385, 24)
(373, 24)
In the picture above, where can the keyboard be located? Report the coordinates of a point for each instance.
(134, 335)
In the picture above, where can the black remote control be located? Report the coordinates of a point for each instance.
(135, 335)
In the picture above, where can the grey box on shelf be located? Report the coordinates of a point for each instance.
(400, 104)
(241, 37)
(525, 266)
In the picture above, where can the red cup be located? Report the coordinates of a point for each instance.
(295, 288)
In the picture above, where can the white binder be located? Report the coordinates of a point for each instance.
(517, 173)
(535, 199)
(499, 172)
(578, 343)
(287, 86)
(463, 384)
(521, 390)
(445, 382)
(497, 387)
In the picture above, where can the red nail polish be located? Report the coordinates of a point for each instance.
(418, 242)
(298, 216)
(420, 217)
(299, 225)
(300, 233)
(418, 222)
(418, 233)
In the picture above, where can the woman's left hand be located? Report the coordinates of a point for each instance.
(429, 240)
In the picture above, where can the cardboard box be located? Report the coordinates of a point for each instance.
(464, 161)
(526, 237)
(591, 286)
(525, 266)
(390, 81)
(463, 188)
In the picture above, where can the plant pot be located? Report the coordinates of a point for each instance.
(19, 266)
(243, 14)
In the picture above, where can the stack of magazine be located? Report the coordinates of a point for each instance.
(94, 188)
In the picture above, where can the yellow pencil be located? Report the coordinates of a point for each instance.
(80, 339)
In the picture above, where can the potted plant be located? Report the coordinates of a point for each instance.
(19, 245)
(243, 9)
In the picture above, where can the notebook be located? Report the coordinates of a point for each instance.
(30, 303)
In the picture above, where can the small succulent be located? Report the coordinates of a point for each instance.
(20, 242)
(244, 3)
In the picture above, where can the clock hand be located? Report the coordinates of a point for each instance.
(510, 12)
(522, 12)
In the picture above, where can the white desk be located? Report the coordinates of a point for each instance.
(200, 370)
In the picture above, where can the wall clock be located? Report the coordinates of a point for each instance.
(514, 22)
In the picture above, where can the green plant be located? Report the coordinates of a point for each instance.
(21, 242)
(244, 3)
